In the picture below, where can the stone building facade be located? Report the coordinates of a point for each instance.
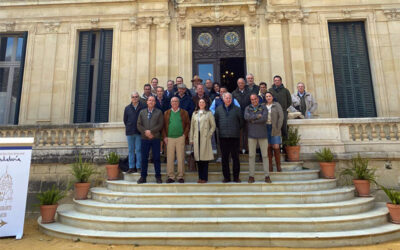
(154, 38)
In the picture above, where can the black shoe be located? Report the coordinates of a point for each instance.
(237, 180)
(158, 180)
(170, 180)
(181, 180)
(131, 170)
(226, 180)
(141, 180)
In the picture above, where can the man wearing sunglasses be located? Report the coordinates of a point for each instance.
(131, 115)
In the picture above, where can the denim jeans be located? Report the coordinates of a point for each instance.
(154, 144)
(134, 146)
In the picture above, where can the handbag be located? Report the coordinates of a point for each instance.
(191, 161)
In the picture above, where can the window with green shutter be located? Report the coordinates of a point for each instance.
(12, 61)
(353, 82)
(92, 92)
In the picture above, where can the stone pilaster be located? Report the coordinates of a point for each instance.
(276, 42)
(162, 48)
(143, 50)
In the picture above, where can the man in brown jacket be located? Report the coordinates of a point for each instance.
(149, 124)
(175, 133)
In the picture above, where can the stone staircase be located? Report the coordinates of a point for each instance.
(296, 210)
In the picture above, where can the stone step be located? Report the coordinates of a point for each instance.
(244, 166)
(217, 176)
(376, 217)
(337, 238)
(337, 194)
(276, 186)
(352, 206)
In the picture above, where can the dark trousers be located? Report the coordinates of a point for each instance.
(284, 128)
(202, 168)
(154, 145)
(230, 146)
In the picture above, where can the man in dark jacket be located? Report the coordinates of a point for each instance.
(283, 97)
(200, 94)
(185, 100)
(229, 120)
(242, 94)
(169, 92)
(256, 116)
(162, 103)
(150, 124)
(131, 115)
(253, 88)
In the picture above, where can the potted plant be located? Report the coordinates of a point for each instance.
(361, 174)
(48, 203)
(292, 144)
(82, 170)
(394, 206)
(326, 163)
(112, 168)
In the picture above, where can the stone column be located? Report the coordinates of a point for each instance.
(276, 43)
(143, 51)
(296, 47)
(162, 49)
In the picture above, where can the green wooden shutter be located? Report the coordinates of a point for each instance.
(104, 76)
(82, 90)
(353, 82)
(21, 76)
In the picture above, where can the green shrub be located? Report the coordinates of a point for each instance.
(359, 170)
(82, 170)
(293, 137)
(392, 194)
(51, 196)
(112, 158)
(324, 155)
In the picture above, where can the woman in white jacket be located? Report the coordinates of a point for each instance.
(202, 128)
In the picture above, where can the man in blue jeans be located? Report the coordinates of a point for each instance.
(131, 115)
(150, 123)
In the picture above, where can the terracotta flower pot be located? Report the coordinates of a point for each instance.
(81, 190)
(112, 172)
(293, 153)
(362, 187)
(328, 169)
(48, 212)
(394, 211)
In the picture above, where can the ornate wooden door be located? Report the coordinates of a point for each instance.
(211, 44)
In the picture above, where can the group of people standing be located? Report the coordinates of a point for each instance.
(204, 115)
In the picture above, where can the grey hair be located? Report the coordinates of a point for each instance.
(241, 78)
(225, 94)
(249, 74)
(134, 93)
(301, 83)
(173, 98)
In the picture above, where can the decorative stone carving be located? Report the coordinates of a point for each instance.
(294, 16)
(133, 22)
(392, 14)
(52, 27)
(274, 17)
(95, 21)
(254, 23)
(217, 14)
(9, 26)
(162, 22)
(144, 22)
(347, 13)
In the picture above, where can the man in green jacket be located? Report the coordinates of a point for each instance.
(283, 97)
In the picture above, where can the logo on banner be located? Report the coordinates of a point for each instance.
(6, 194)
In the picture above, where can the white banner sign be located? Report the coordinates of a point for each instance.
(15, 162)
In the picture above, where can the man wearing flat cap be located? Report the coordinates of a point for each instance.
(185, 100)
(195, 81)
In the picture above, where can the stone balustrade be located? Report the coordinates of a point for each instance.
(378, 136)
